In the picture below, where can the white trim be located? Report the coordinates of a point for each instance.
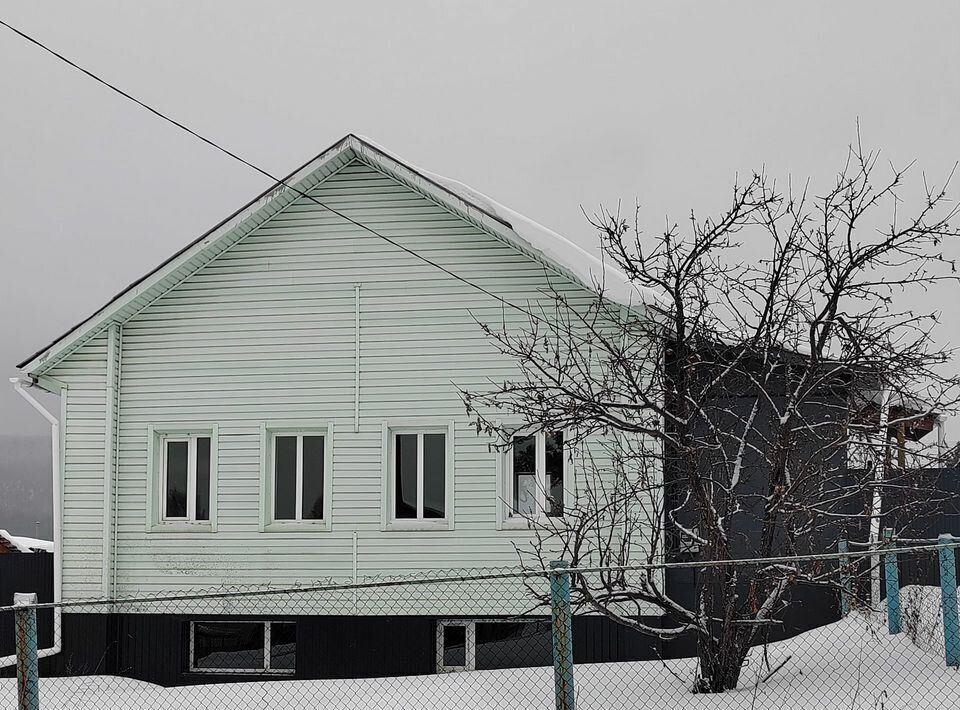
(267, 637)
(165, 442)
(109, 456)
(356, 363)
(470, 645)
(269, 431)
(388, 487)
(157, 439)
(465, 203)
(506, 518)
(58, 446)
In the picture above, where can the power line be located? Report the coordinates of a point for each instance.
(279, 181)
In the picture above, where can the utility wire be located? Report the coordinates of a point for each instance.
(279, 181)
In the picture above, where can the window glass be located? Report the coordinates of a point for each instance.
(312, 478)
(283, 646)
(434, 475)
(406, 475)
(285, 478)
(554, 470)
(525, 475)
(228, 646)
(176, 492)
(513, 644)
(454, 646)
(203, 478)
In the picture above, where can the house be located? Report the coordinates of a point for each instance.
(18, 543)
(278, 403)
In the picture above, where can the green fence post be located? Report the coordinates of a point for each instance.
(892, 574)
(562, 635)
(948, 598)
(845, 586)
(28, 681)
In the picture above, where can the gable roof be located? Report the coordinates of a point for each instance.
(531, 238)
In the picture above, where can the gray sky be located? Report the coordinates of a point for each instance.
(545, 106)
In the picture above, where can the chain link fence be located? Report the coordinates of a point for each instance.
(507, 639)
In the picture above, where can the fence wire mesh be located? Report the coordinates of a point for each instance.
(489, 639)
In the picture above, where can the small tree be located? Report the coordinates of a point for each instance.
(729, 400)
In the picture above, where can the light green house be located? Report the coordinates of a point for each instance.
(277, 402)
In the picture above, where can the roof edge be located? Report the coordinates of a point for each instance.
(487, 211)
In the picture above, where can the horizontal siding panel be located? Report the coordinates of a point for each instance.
(266, 332)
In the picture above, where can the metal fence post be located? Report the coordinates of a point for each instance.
(842, 548)
(562, 635)
(948, 597)
(28, 683)
(892, 573)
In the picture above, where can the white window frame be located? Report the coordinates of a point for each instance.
(507, 519)
(471, 639)
(269, 431)
(267, 632)
(470, 651)
(191, 442)
(157, 438)
(388, 494)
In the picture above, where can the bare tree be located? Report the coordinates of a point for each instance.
(728, 402)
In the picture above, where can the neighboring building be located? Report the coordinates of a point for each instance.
(278, 403)
(18, 543)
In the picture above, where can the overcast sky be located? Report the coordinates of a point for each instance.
(545, 106)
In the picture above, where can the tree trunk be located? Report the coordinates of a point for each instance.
(723, 653)
(720, 665)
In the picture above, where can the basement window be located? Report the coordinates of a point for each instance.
(487, 644)
(243, 647)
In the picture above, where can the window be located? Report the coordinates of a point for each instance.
(296, 461)
(467, 645)
(181, 480)
(456, 646)
(418, 478)
(298, 473)
(537, 475)
(243, 646)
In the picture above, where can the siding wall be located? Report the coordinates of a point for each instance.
(85, 374)
(266, 332)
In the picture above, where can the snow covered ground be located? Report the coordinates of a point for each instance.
(922, 617)
(850, 665)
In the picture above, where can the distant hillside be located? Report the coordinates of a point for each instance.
(25, 485)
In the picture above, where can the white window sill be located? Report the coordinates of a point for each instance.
(422, 525)
(174, 526)
(282, 526)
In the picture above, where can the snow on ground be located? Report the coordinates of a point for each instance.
(922, 617)
(850, 665)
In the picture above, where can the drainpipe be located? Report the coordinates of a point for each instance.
(20, 387)
(941, 439)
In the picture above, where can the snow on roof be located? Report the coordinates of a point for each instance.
(527, 235)
(27, 544)
(542, 241)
